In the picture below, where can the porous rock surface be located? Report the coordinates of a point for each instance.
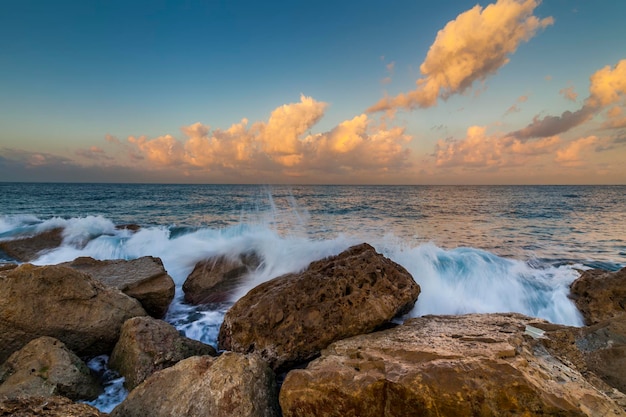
(26, 249)
(147, 345)
(46, 367)
(46, 407)
(230, 385)
(143, 278)
(291, 318)
(214, 280)
(600, 295)
(61, 302)
(471, 365)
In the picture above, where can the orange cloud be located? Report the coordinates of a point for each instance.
(571, 155)
(569, 93)
(468, 49)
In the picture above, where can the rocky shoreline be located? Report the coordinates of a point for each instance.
(322, 342)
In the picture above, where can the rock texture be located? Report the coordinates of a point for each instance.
(61, 302)
(231, 385)
(147, 345)
(600, 295)
(473, 365)
(143, 278)
(215, 280)
(28, 248)
(291, 318)
(46, 407)
(46, 367)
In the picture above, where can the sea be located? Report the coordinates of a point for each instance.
(470, 248)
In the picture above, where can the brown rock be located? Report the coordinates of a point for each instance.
(46, 407)
(215, 280)
(143, 278)
(8, 265)
(45, 368)
(291, 318)
(147, 345)
(600, 295)
(27, 248)
(230, 385)
(61, 302)
(473, 365)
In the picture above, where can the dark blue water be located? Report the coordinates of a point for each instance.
(471, 248)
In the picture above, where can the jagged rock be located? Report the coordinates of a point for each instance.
(27, 248)
(600, 295)
(147, 345)
(230, 385)
(45, 367)
(291, 318)
(61, 302)
(8, 265)
(443, 366)
(46, 407)
(143, 278)
(214, 280)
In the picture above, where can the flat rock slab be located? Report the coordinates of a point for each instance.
(291, 318)
(473, 365)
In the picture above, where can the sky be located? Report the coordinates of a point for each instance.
(315, 92)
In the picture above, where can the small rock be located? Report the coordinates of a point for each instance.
(600, 295)
(28, 248)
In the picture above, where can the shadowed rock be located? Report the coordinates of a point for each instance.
(46, 407)
(230, 385)
(147, 345)
(28, 248)
(61, 302)
(46, 367)
(473, 365)
(143, 278)
(600, 295)
(291, 318)
(215, 280)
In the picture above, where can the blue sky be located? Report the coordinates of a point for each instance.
(140, 91)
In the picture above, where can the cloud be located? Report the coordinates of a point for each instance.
(469, 49)
(94, 153)
(607, 86)
(572, 155)
(569, 93)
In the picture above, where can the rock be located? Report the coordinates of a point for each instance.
(45, 367)
(8, 265)
(230, 385)
(27, 248)
(61, 302)
(46, 407)
(215, 280)
(129, 226)
(147, 345)
(291, 318)
(143, 278)
(600, 295)
(472, 365)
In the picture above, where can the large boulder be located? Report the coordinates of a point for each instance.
(230, 385)
(143, 278)
(599, 294)
(46, 407)
(61, 302)
(216, 279)
(291, 318)
(26, 249)
(45, 367)
(487, 365)
(147, 345)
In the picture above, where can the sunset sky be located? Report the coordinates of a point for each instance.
(339, 92)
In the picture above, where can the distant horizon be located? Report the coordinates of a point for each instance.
(452, 92)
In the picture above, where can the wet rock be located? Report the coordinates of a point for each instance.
(291, 318)
(600, 295)
(147, 345)
(215, 280)
(143, 278)
(28, 248)
(46, 367)
(230, 385)
(61, 302)
(46, 407)
(443, 366)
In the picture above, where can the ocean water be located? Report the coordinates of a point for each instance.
(471, 248)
